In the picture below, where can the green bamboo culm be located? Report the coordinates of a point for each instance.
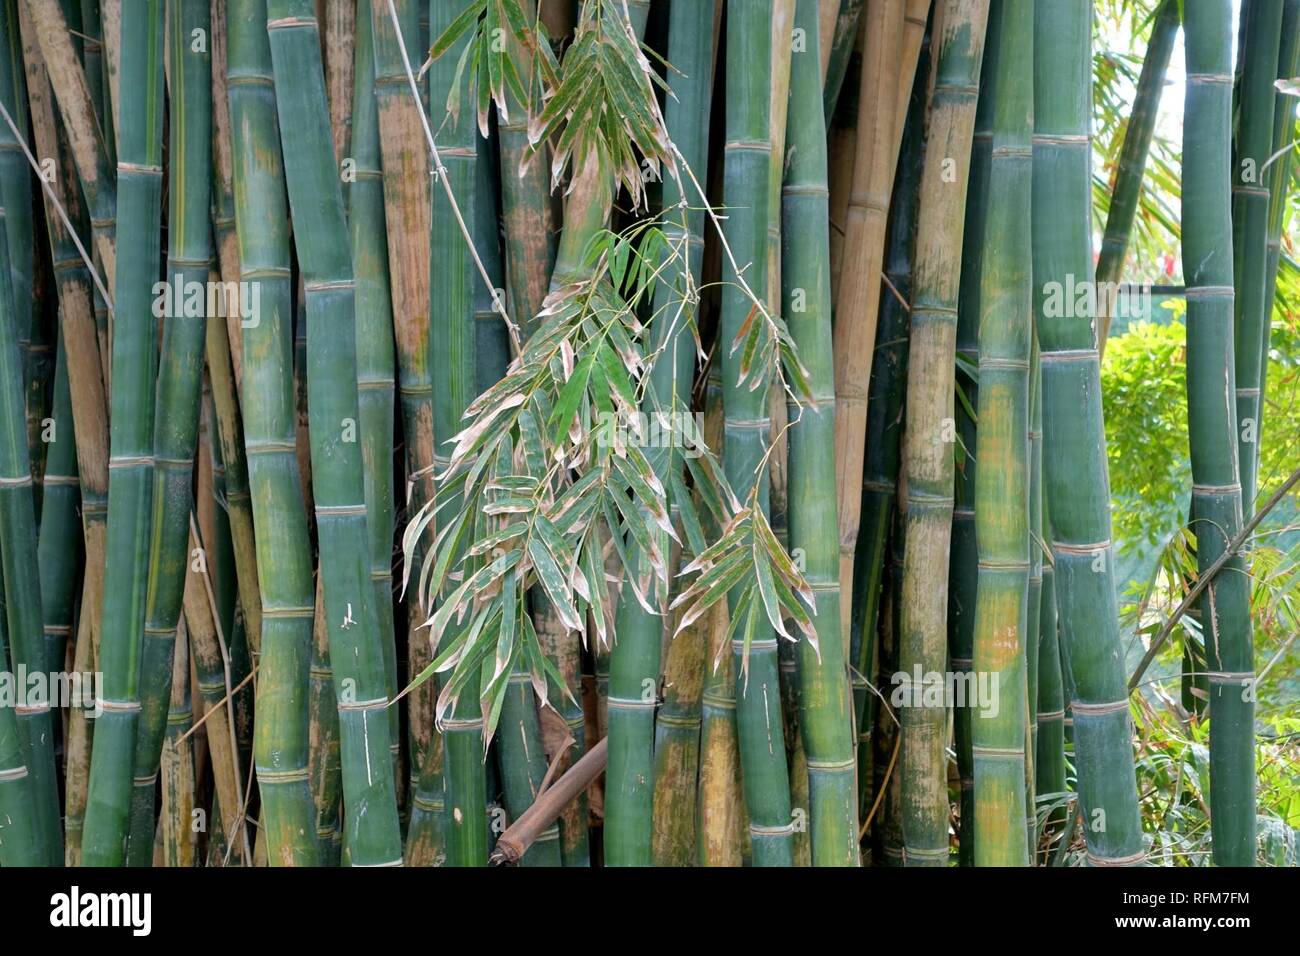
(746, 172)
(1133, 155)
(404, 156)
(1049, 757)
(922, 762)
(371, 833)
(677, 731)
(375, 350)
(1001, 454)
(1284, 115)
(824, 692)
(922, 607)
(130, 486)
(636, 658)
(452, 280)
(883, 449)
(59, 548)
(26, 731)
(280, 737)
(16, 185)
(1075, 481)
(1251, 199)
(180, 382)
(529, 247)
(1034, 599)
(963, 568)
(525, 198)
(1284, 112)
(1211, 424)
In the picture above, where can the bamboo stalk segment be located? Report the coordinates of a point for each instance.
(371, 835)
(929, 426)
(280, 742)
(1076, 484)
(824, 692)
(176, 414)
(857, 300)
(1212, 419)
(131, 465)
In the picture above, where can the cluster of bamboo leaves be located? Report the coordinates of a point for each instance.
(535, 492)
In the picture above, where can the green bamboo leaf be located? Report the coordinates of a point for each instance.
(689, 517)
(717, 589)
(555, 544)
(506, 639)
(739, 615)
(638, 476)
(751, 620)
(767, 590)
(635, 523)
(456, 29)
(453, 94)
(594, 571)
(570, 397)
(553, 583)
(616, 538)
(476, 583)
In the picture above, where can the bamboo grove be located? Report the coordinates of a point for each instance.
(444, 432)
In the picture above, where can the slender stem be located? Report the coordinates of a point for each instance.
(131, 466)
(1075, 475)
(1211, 423)
(1133, 154)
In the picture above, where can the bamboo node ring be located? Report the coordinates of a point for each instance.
(1080, 709)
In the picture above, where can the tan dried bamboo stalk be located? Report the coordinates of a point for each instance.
(48, 26)
(841, 158)
(238, 499)
(722, 820)
(677, 730)
(223, 214)
(913, 36)
(176, 766)
(90, 424)
(404, 156)
(827, 17)
(76, 746)
(857, 302)
(338, 27)
(110, 18)
(209, 658)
